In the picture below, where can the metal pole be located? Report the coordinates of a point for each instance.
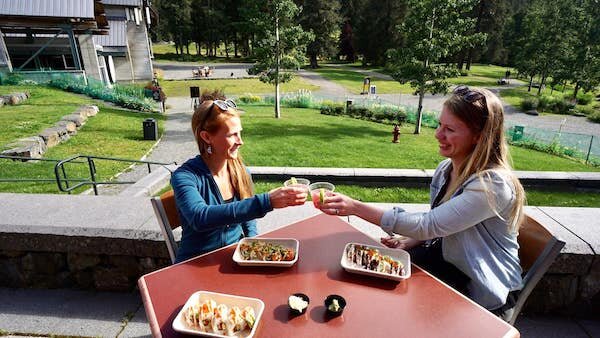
(66, 180)
(589, 150)
(74, 49)
(93, 175)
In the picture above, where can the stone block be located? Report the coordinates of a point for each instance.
(44, 263)
(32, 147)
(11, 273)
(1, 101)
(70, 126)
(84, 279)
(553, 293)
(87, 111)
(50, 136)
(78, 262)
(128, 265)
(75, 118)
(14, 99)
(590, 283)
(93, 110)
(106, 279)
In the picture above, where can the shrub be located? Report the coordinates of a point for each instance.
(301, 99)
(594, 117)
(529, 103)
(212, 94)
(10, 78)
(584, 99)
(586, 110)
(249, 98)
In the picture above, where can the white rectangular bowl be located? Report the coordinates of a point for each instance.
(397, 254)
(285, 242)
(180, 325)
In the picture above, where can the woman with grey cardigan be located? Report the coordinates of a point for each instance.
(469, 237)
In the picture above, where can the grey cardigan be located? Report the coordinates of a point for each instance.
(476, 238)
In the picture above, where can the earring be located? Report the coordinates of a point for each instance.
(209, 149)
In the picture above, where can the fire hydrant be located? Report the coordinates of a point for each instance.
(396, 133)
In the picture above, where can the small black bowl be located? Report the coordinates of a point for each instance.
(341, 302)
(305, 298)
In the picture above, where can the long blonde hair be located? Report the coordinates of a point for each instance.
(485, 116)
(210, 118)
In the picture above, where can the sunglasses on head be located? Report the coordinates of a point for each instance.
(467, 94)
(224, 105)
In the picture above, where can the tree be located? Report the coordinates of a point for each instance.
(321, 16)
(280, 44)
(178, 22)
(584, 70)
(346, 43)
(433, 30)
(376, 31)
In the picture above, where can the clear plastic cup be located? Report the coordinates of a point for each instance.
(299, 182)
(319, 190)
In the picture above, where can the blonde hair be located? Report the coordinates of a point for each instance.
(210, 118)
(485, 117)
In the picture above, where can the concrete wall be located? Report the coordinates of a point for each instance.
(139, 49)
(89, 57)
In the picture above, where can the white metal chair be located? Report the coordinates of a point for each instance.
(538, 250)
(168, 220)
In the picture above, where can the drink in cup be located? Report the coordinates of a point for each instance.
(318, 192)
(298, 182)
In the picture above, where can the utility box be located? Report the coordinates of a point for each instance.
(150, 129)
(373, 90)
(348, 104)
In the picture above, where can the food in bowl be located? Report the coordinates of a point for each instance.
(216, 318)
(371, 259)
(335, 304)
(265, 251)
(298, 303)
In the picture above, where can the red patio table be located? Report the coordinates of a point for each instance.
(420, 306)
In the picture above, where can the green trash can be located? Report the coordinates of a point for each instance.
(517, 133)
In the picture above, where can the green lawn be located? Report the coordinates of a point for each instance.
(315, 140)
(421, 195)
(45, 107)
(233, 87)
(112, 133)
(353, 80)
(514, 96)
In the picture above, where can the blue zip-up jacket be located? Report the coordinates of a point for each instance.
(207, 222)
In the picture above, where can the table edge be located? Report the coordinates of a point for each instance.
(149, 308)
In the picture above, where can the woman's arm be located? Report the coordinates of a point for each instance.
(249, 228)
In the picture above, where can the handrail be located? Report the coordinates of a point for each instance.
(92, 168)
(60, 173)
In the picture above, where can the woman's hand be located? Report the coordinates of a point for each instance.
(338, 204)
(287, 196)
(400, 242)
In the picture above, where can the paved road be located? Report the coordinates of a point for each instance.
(183, 70)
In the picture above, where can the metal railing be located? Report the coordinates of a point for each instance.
(66, 184)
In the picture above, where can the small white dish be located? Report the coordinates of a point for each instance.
(180, 325)
(396, 254)
(289, 243)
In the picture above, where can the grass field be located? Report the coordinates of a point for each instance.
(166, 51)
(421, 195)
(112, 133)
(315, 140)
(233, 87)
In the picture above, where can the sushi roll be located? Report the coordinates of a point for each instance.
(206, 314)
(235, 321)
(219, 320)
(249, 316)
(192, 316)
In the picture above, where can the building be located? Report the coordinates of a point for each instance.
(103, 39)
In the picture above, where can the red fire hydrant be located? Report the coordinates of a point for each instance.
(396, 133)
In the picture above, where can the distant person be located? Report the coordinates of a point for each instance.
(469, 237)
(507, 74)
(214, 191)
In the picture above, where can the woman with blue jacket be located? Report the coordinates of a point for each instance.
(214, 191)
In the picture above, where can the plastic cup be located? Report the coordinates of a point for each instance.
(315, 191)
(301, 183)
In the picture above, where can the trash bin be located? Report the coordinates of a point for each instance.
(348, 104)
(150, 129)
(517, 133)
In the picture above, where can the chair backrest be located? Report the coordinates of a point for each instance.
(538, 249)
(168, 220)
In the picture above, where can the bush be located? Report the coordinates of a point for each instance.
(586, 110)
(529, 103)
(584, 99)
(301, 99)
(594, 117)
(249, 98)
(212, 94)
(127, 96)
(10, 78)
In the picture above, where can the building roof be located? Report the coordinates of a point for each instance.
(117, 35)
(46, 16)
(48, 8)
(132, 3)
